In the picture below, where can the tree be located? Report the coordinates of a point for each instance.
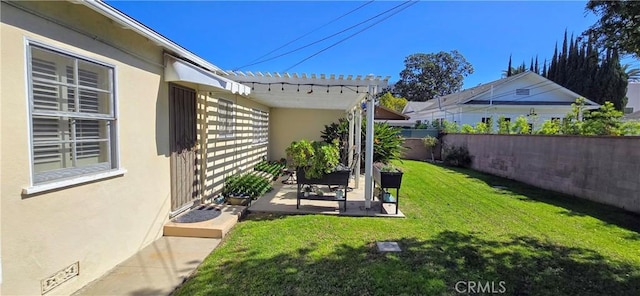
(427, 76)
(633, 74)
(618, 25)
(391, 102)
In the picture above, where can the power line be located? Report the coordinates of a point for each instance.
(323, 39)
(352, 35)
(310, 32)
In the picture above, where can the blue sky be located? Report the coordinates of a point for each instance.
(231, 34)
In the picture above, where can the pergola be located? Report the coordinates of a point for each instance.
(329, 92)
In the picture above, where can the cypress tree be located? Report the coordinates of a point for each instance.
(544, 69)
(536, 69)
(551, 74)
(509, 73)
(531, 65)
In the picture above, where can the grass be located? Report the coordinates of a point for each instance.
(459, 227)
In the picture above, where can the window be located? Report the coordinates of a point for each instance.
(225, 118)
(522, 92)
(72, 115)
(260, 126)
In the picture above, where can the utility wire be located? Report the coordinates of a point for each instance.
(312, 31)
(354, 34)
(323, 39)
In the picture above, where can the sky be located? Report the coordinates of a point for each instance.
(234, 34)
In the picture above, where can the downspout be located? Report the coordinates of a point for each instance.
(368, 169)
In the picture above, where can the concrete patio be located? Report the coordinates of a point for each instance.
(282, 200)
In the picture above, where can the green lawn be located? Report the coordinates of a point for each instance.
(458, 228)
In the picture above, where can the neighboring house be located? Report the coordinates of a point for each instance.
(525, 94)
(383, 113)
(633, 97)
(108, 129)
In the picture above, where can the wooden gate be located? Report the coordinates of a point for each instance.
(184, 160)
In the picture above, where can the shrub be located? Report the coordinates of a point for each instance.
(457, 156)
(387, 142)
(549, 127)
(504, 126)
(315, 158)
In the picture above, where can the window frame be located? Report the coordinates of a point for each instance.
(73, 175)
(222, 130)
(260, 126)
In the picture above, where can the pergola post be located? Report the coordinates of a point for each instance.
(358, 129)
(351, 119)
(368, 166)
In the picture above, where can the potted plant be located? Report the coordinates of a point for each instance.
(307, 190)
(317, 163)
(387, 175)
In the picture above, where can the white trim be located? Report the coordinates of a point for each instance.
(112, 117)
(74, 181)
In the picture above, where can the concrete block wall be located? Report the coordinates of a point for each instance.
(602, 169)
(417, 151)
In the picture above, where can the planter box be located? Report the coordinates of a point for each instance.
(333, 178)
(387, 179)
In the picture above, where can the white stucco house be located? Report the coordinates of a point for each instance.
(527, 94)
(633, 96)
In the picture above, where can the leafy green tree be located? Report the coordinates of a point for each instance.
(521, 126)
(504, 126)
(391, 102)
(603, 122)
(430, 143)
(427, 76)
(467, 129)
(630, 128)
(618, 25)
(572, 122)
(482, 128)
(549, 127)
(450, 127)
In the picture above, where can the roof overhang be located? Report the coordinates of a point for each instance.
(308, 92)
(180, 70)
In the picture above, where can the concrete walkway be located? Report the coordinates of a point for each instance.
(156, 270)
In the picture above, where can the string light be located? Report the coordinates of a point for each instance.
(310, 90)
(282, 86)
(269, 86)
(253, 86)
(298, 87)
(327, 88)
(357, 89)
(341, 88)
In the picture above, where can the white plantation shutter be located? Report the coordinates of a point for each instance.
(71, 117)
(225, 118)
(260, 126)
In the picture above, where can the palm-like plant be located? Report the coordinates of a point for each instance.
(633, 74)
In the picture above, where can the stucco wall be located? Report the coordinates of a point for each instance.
(602, 169)
(98, 224)
(228, 156)
(288, 125)
(417, 151)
